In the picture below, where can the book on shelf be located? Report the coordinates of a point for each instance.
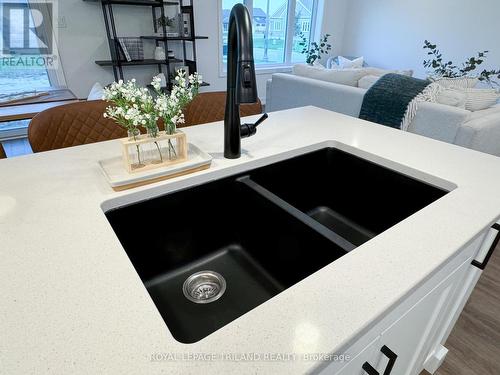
(129, 49)
(124, 49)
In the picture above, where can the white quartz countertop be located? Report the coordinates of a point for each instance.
(72, 303)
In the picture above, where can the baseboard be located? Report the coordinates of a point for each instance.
(436, 359)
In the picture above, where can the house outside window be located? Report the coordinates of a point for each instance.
(277, 29)
(277, 26)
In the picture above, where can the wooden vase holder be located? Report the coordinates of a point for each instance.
(146, 152)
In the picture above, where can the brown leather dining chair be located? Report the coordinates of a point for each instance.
(72, 124)
(210, 107)
(2, 152)
(83, 122)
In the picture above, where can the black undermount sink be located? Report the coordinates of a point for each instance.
(258, 233)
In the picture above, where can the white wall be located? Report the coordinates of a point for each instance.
(332, 14)
(390, 33)
(84, 40)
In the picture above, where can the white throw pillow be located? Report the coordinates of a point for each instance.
(96, 92)
(349, 77)
(479, 99)
(452, 97)
(345, 63)
(380, 72)
(367, 81)
(457, 83)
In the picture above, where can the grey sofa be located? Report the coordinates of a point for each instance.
(476, 130)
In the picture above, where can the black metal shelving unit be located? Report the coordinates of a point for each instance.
(118, 64)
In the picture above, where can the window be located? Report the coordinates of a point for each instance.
(278, 26)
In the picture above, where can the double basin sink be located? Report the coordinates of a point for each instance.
(219, 250)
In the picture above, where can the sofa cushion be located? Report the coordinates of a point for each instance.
(451, 97)
(457, 83)
(480, 99)
(485, 112)
(367, 81)
(349, 77)
(380, 72)
(481, 134)
(438, 121)
(290, 91)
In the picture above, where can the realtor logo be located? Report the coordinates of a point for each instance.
(27, 33)
(27, 29)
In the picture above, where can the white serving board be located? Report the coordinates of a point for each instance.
(116, 174)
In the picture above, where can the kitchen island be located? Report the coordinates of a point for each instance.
(72, 302)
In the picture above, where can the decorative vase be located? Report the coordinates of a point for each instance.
(135, 154)
(160, 53)
(155, 150)
(163, 150)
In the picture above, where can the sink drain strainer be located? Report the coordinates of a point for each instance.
(204, 287)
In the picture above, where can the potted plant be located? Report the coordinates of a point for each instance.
(315, 49)
(170, 24)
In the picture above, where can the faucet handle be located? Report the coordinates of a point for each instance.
(261, 119)
(247, 130)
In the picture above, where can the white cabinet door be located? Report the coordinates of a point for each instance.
(461, 295)
(409, 336)
(412, 329)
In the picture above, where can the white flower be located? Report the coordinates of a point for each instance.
(134, 106)
(156, 83)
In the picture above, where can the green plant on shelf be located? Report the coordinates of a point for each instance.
(165, 21)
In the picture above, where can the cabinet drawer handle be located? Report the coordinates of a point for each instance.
(392, 360)
(369, 369)
(482, 265)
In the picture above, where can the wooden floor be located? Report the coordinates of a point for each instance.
(474, 344)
